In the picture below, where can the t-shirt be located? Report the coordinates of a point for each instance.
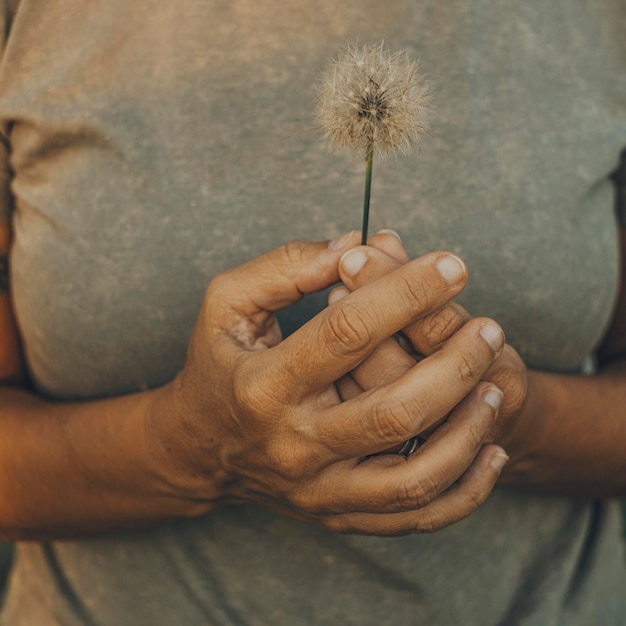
(150, 145)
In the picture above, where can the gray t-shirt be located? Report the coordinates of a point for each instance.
(151, 145)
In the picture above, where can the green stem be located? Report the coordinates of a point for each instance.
(369, 162)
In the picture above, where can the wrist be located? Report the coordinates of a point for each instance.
(171, 446)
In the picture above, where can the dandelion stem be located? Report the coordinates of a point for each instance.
(369, 162)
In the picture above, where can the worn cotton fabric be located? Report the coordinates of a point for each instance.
(149, 145)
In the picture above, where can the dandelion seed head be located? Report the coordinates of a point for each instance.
(370, 98)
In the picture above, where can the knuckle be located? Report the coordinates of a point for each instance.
(417, 494)
(336, 524)
(466, 369)
(438, 328)
(393, 420)
(248, 394)
(426, 490)
(346, 330)
(218, 285)
(288, 460)
(262, 390)
(290, 253)
(286, 258)
(220, 298)
(474, 498)
(475, 435)
(416, 292)
(431, 523)
(389, 372)
(306, 501)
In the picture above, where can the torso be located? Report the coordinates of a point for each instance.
(155, 145)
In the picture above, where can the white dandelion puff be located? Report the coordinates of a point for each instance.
(373, 101)
(369, 97)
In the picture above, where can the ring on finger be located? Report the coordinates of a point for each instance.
(410, 446)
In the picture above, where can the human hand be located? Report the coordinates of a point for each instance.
(427, 335)
(255, 419)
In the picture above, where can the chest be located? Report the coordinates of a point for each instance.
(178, 143)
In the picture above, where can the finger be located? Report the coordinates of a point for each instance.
(454, 505)
(390, 360)
(275, 279)
(348, 388)
(387, 363)
(337, 293)
(387, 416)
(509, 374)
(342, 335)
(428, 333)
(393, 483)
(390, 243)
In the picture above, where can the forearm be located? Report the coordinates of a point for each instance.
(69, 469)
(571, 436)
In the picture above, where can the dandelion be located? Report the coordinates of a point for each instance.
(370, 100)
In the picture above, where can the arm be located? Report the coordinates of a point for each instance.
(571, 436)
(72, 466)
(68, 469)
(254, 419)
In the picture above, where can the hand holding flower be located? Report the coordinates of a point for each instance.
(427, 336)
(255, 419)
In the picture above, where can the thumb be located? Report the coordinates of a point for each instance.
(279, 277)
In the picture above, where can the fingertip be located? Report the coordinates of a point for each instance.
(388, 231)
(389, 242)
(452, 268)
(353, 261)
(337, 293)
(493, 397)
(499, 459)
(492, 456)
(493, 335)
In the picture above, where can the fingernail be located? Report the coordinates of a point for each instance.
(499, 460)
(493, 336)
(340, 242)
(337, 294)
(451, 268)
(388, 231)
(493, 397)
(352, 261)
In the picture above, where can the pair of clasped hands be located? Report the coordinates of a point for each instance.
(298, 425)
